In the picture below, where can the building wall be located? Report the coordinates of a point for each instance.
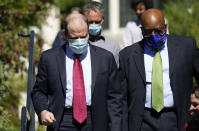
(51, 27)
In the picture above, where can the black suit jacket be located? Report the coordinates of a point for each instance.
(49, 91)
(183, 65)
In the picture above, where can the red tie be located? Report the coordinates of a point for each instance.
(79, 98)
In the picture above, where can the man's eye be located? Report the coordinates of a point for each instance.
(98, 22)
(82, 37)
(73, 38)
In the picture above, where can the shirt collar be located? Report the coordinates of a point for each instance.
(100, 37)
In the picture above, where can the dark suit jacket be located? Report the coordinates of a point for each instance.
(183, 64)
(49, 91)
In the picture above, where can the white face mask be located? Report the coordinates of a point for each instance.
(95, 29)
(78, 46)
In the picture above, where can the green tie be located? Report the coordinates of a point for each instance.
(157, 83)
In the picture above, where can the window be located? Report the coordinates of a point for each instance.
(106, 14)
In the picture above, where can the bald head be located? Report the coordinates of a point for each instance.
(73, 16)
(77, 26)
(153, 19)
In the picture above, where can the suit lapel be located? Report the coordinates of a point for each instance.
(172, 51)
(61, 62)
(139, 60)
(94, 66)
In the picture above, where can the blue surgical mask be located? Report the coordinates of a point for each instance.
(155, 41)
(95, 29)
(78, 46)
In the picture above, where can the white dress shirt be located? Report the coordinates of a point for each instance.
(148, 60)
(133, 33)
(86, 66)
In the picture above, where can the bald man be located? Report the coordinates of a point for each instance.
(156, 74)
(77, 87)
(60, 39)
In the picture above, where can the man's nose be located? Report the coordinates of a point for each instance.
(138, 11)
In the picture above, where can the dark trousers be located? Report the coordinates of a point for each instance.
(68, 123)
(166, 120)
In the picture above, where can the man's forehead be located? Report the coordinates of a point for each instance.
(77, 23)
(77, 26)
(151, 20)
(94, 13)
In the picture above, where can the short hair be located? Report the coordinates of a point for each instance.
(94, 6)
(135, 3)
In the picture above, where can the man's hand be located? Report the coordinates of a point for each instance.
(47, 118)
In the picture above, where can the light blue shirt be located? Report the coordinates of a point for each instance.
(148, 60)
(86, 66)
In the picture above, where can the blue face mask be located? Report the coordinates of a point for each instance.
(78, 46)
(95, 29)
(155, 41)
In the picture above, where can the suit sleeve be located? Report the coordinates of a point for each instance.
(123, 83)
(39, 91)
(196, 62)
(114, 101)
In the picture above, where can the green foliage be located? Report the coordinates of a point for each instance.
(4, 120)
(66, 5)
(16, 17)
(4, 114)
(41, 128)
(183, 17)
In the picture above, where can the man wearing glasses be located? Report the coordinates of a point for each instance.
(156, 74)
(94, 12)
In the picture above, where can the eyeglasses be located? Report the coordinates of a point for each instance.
(96, 22)
(158, 31)
(80, 37)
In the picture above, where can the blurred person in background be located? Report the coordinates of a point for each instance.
(94, 12)
(133, 31)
